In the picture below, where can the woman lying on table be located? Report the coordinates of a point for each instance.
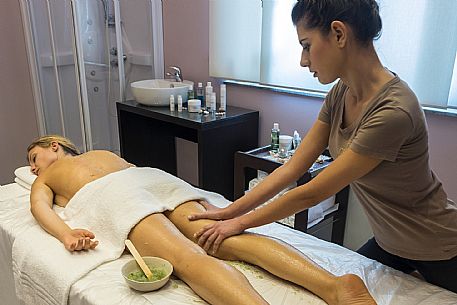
(62, 172)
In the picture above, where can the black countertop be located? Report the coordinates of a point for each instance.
(189, 119)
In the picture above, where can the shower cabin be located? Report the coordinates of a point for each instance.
(83, 55)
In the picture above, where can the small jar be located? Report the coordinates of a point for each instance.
(194, 105)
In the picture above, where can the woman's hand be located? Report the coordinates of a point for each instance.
(211, 236)
(212, 212)
(79, 239)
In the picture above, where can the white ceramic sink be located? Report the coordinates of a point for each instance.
(156, 92)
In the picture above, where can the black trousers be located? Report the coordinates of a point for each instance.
(440, 273)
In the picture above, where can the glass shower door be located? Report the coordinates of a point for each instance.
(84, 54)
(142, 40)
(52, 34)
(94, 41)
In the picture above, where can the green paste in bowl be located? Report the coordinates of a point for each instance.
(139, 276)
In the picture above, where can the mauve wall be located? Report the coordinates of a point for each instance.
(186, 31)
(18, 124)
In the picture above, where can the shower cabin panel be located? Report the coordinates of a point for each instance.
(142, 37)
(75, 50)
(51, 28)
(93, 33)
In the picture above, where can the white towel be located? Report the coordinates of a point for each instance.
(22, 183)
(25, 175)
(109, 207)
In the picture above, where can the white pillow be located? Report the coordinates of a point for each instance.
(25, 175)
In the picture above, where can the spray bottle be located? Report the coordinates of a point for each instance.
(296, 140)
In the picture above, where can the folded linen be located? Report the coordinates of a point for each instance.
(11, 191)
(25, 175)
(22, 183)
(109, 207)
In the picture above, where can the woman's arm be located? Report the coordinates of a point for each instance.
(311, 147)
(348, 167)
(41, 199)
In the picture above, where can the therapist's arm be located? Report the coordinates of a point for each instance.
(348, 167)
(312, 146)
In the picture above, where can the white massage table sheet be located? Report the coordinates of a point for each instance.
(105, 285)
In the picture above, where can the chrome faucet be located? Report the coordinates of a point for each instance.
(176, 74)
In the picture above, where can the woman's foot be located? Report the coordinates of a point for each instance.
(352, 290)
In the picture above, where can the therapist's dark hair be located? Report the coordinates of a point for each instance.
(361, 15)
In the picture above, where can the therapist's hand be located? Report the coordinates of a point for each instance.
(212, 212)
(211, 236)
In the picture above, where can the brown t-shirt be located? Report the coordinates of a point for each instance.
(405, 203)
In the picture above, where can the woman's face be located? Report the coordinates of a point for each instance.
(319, 54)
(41, 158)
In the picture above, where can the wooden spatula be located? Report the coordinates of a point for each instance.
(139, 259)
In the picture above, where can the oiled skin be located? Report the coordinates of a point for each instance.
(170, 235)
(68, 175)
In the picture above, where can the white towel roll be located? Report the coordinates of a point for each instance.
(24, 174)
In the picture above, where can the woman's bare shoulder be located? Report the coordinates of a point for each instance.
(105, 156)
(100, 154)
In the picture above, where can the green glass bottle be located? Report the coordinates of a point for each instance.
(275, 137)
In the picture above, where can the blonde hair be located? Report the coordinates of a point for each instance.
(45, 142)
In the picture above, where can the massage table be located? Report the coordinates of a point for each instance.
(105, 285)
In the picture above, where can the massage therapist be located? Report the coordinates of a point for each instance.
(376, 132)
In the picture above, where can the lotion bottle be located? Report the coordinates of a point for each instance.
(223, 106)
(179, 103)
(213, 102)
(172, 102)
(208, 91)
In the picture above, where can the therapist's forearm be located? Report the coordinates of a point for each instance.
(275, 182)
(290, 203)
(313, 144)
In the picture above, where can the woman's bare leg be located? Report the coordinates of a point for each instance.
(279, 259)
(210, 278)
